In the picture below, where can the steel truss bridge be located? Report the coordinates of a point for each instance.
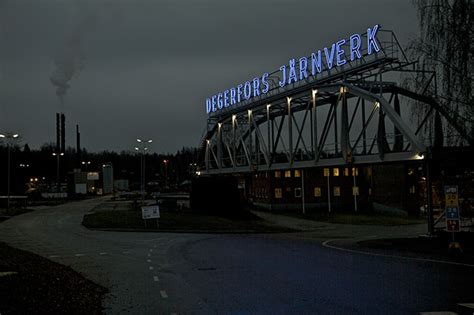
(354, 114)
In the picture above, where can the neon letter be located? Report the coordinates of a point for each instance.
(220, 104)
(226, 98)
(247, 90)
(239, 93)
(292, 77)
(256, 86)
(214, 103)
(340, 53)
(282, 82)
(316, 63)
(371, 41)
(265, 84)
(232, 96)
(303, 68)
(208, 105)
(355, 42)
(329, 55)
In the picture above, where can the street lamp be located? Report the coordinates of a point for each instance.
(86, 163)
(10, 137)
(142, 150)
(57, 155)
(166, 172)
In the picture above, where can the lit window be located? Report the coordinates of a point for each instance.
(277, 174)
(370, 191)
(326, 172)
(355, 171)
(337, 191)
(297, 173)
(346, 172)
(288, 173)
(278, 193)
(298, 192)
(317, 191)
(412, 189)
(355, 191)
(369, 171)
(335, 171)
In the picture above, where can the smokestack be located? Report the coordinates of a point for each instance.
(78, 144)
(58, 132)
(63, 132)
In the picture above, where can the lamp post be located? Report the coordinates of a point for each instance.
(166, 172)
(142, 149)
(57, 155)
(86, 163)
(10, 137)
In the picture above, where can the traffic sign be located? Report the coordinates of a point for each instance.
(451, 196)
(452, 225)
(452, 213)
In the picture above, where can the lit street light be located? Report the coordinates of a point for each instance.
(57, 155)
(142, 150)
(10, 137)
(86, 163)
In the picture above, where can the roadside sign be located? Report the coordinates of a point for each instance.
(453, 219)
(151, 212)
(452, 213)
(452, 225)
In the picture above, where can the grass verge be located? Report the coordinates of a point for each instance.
(30, 284)
(180, 221)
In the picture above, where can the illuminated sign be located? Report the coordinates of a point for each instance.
(298, 70)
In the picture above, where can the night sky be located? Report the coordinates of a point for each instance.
(143, 68)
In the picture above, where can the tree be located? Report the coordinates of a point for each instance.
(445, 48)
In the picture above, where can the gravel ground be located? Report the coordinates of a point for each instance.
(30, 284)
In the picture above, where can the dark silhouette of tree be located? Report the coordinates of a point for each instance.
(445, 47)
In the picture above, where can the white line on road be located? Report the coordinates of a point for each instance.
(148, 260)
(151, 249)
(103, 253)
(149, 255)
(151, 268)
(79, 255)
(126, 252)
(163, 294)
(326, 244)
(156, 278)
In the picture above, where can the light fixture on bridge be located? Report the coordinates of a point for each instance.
(377, 104)
(268, 106)
(419, 156)
(315, 91)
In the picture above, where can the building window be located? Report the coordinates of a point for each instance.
(277, 174)
(297, 173)
(288, 173)
(317, 191)
(326, 172)
(355, 171)
(370, 191)
(346, 172)
(337, 191)
(298, 192)
(335, 171)
(369, 171)
(412, 190)
(278, 194)
(355, 191)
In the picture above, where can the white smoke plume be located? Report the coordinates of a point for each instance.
(70, 60)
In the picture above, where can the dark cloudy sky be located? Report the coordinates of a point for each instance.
(149, 64)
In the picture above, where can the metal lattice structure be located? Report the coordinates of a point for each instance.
(354, 114)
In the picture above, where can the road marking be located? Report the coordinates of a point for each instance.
(163, 294)
(149, 255)
(151, 268)
(156, 278)
(54, 256)
(148, 260)
(151, 249)
(79, 255)
(103, 253)
(326, 244)
(126, 252)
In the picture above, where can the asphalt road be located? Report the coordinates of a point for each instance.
(166, 273)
